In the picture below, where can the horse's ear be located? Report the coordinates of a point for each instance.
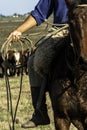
(69, 3)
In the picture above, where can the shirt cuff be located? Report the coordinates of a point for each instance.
(37, 17)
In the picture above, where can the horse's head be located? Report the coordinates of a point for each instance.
(77, 15)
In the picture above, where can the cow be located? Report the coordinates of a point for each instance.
(10, 63)
(22, 57)
(16, 61)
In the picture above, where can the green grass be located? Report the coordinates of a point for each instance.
(25, 108)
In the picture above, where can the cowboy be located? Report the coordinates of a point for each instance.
(42, 11)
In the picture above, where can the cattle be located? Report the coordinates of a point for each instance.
(21, 61)
(11, 63)
(25, 56)
(18, 61)
(14, 62)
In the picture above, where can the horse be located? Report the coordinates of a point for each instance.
(68, 84)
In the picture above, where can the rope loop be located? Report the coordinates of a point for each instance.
(21, 44)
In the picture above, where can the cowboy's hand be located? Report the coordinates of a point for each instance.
(15, 35)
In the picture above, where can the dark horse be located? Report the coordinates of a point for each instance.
(68, 89)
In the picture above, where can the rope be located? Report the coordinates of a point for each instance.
(45, 29)
(57, 25)
(49, 35)
(9, 101)
(10, 112)
(8, 43)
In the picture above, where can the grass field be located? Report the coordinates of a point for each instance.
(25, 108)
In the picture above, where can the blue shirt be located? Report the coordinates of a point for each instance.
(45, 8)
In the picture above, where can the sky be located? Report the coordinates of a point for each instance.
(9, 7)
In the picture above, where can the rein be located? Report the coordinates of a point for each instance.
(76, 56)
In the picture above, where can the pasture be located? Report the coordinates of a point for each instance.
(25, 109)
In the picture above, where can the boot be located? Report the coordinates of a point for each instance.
(40, 116)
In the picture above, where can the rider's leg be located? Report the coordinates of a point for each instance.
(40, 116)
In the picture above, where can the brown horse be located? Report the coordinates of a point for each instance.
(68, 89)
(78, 23)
